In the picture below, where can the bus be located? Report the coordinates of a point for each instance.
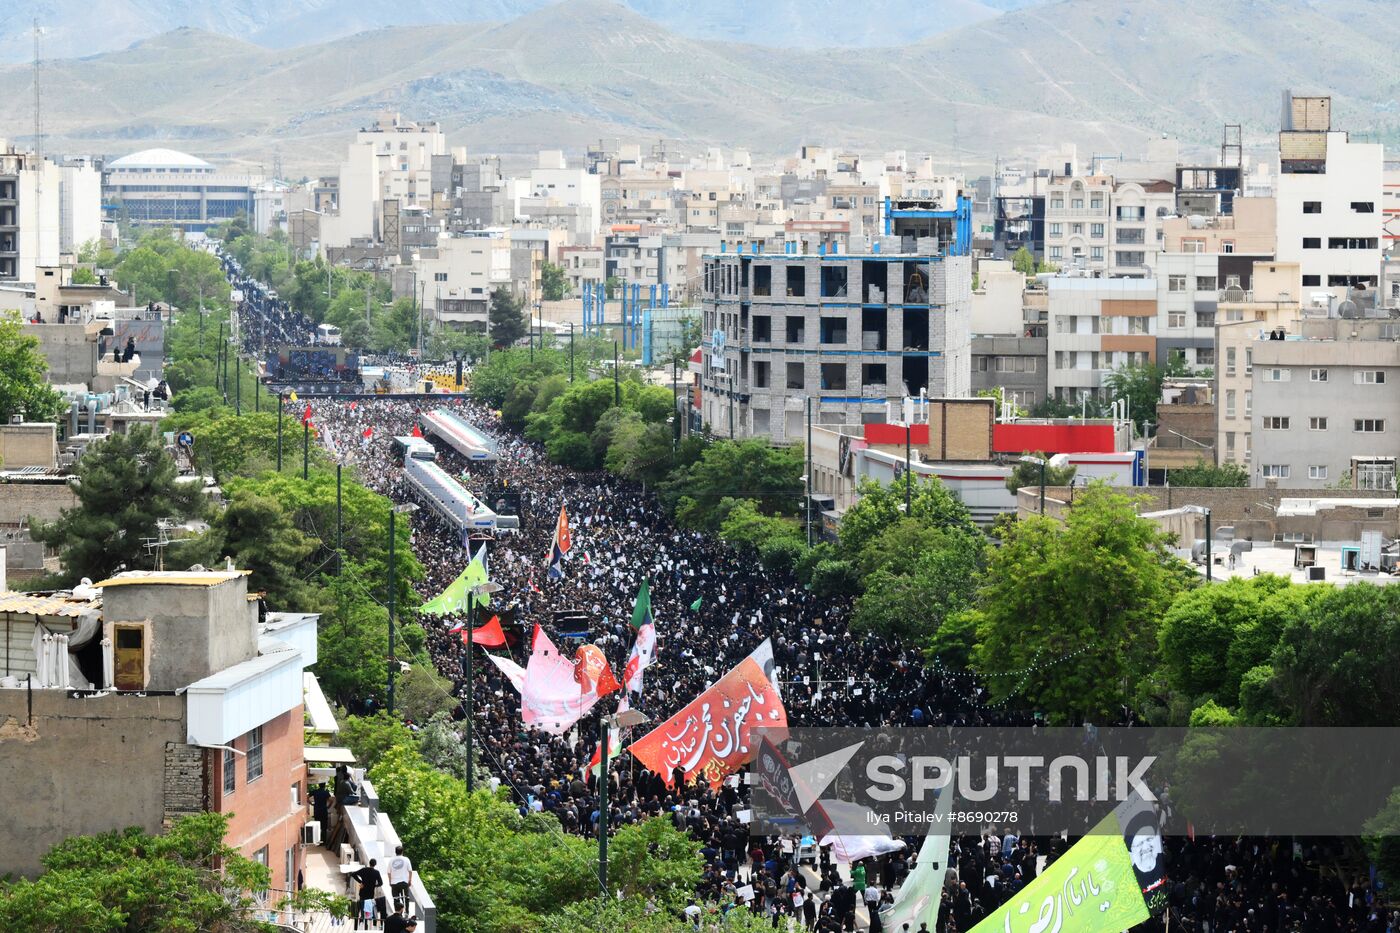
(413, 448)
(328, 335)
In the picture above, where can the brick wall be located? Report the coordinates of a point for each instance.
(21, 502)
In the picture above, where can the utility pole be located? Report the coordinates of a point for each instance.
(908, 477)
(617, 386)
(809, 472)
(305, 449)
(603, 819)
(281, 405)
(676, 401)
(571, 352)
(339, 527)
(392, 586)
(470, 676)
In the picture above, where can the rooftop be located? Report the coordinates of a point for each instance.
(160, 160)
(173, 577)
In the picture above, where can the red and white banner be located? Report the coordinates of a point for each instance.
(711, 736)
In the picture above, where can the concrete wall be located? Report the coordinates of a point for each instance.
(195, 631)
(25, 445)
(28, 502)
(86, 765)
(1228, 505)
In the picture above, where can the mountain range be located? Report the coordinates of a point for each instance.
(1105, 76)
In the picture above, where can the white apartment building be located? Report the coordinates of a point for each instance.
(457, 277)
(554, 183)
(1330, 194)
(1098, 225)
(46, 210)
(391, 159)
(1097, 325)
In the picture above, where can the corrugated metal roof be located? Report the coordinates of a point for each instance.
(28, 604)
(173, 577)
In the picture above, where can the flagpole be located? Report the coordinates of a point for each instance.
(603, 807)
(471, 623)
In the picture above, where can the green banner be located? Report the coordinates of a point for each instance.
(1090, 889)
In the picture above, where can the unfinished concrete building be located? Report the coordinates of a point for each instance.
(847, 331)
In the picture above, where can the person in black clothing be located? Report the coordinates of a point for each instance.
(321, 808)
(370, 881)
(398, 923)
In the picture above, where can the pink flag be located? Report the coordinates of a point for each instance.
(550, 698)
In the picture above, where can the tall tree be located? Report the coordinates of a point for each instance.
(258, 534)
(553, 283)
(507, 316)
(24, 388)
(125, 483)
(1028, 474)
(1067, 615)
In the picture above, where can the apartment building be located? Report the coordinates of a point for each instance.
(390, 160)
(1324, 410)
(46, 210)
(1251, 229)
(1330, 192)
(456, 278)
(150, 696)
(1095, 326)
(1242, 318)
(1190, 287)
(1078, 214)
(572, 195)
(847, 332)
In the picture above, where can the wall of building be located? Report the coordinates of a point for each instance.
(1353, 176)
(88, 765)
(194, 630)
(263, 812)
(1228, 505)
(31, 502)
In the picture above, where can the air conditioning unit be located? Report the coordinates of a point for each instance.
(311, 834)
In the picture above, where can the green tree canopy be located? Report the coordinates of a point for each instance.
(125, 483)
(771, 477)
(507, 317)
(1209, 474)
(24, 387)
(1067, 615)
(184, 880)
(553, 283)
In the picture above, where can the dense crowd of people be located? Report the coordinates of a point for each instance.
(621, 536)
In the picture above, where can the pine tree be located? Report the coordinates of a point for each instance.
(126, 484)
(507, 318)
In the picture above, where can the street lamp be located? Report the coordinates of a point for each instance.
(481, 589)
(1202, 510)
(1040, 461)
(406, 508)
(626, 719)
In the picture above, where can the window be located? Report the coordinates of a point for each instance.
(255, 755)
(1229, 361)
(795, 376)
(1275, 470)
(1229, 403)
(1064, 324)
(1176, 283)
(1076, 229)
(1176, 318)
(1138, 325)
(1096, 231)
(1275, 374)
(1276, 423)
(760, 374)
(1205, 318)
(260, 856)
(1096, 253)
(1131, 236)
(1317, 424)
(1317, 375)
(1127, 260)
(1229, 442)
(1077, 204)
(1096, 203)
(1056, 229)
(1205, 283)
(230, 772)
(1248, 402)
(1205, 356)
(1312, 242)
(1368, 425)
(979, 364)
(1363, 207)
(1057, 252)
(1312, 207)
(1370, 377)
(1057, 204)
(1312, 280)
(1317, 472)
(1227, 246)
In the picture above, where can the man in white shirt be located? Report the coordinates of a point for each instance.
(400, 876)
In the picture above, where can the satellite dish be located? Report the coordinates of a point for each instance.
(1348, 309)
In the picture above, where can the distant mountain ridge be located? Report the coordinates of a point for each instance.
(69, 24)
(1107, 77)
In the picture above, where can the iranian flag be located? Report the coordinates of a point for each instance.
(644, 648)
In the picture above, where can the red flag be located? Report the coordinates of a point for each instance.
(711, 736)
(306, 415)
(592, 672)
(367, 432)
(352, 406)
(417, 431)
(489, 635)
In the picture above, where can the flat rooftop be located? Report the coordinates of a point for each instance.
(1279, 560)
